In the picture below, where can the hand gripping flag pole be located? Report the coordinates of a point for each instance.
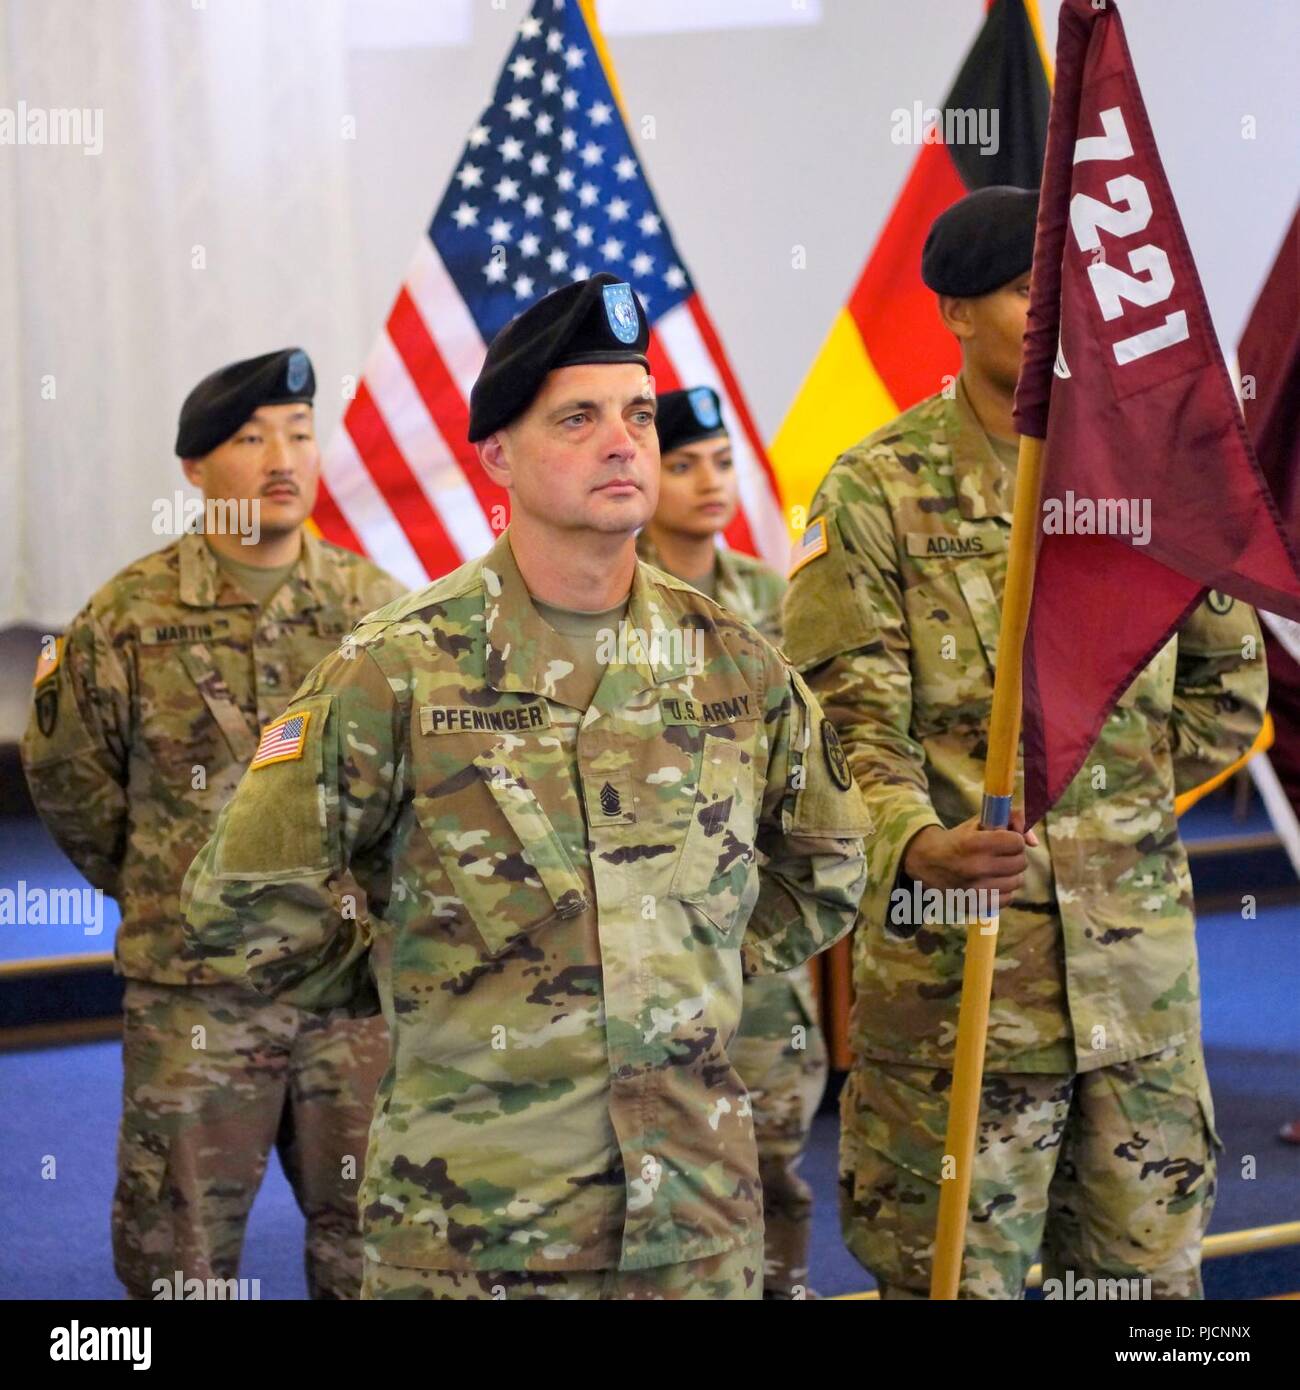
(982, 935)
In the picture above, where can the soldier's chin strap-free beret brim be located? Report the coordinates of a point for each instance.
(594, 321)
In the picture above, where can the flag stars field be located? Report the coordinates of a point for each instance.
(547, 190)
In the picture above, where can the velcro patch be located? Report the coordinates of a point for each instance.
(735, 709)
(165, 634)
(283, 741)
(815, 541)
(942, 545)
(472, 719)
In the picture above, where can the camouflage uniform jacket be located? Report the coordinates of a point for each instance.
(140, 732)
(753, 592)
(896, 623)
(557, 905)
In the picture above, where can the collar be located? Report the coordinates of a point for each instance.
(204, 584)
(730, 590)
(524, 653)
(985, 486)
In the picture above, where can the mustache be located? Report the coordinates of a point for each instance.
(280, 483)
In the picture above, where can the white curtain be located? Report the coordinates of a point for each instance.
(214, 224)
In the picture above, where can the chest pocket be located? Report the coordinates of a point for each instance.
(953, 619)
(715, 871)
(506, 864)
(188, 714)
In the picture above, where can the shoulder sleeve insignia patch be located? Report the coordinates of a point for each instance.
(815, 541)
(283, 741)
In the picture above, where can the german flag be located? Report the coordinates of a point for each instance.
(887, 348)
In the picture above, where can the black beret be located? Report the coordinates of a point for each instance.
(596, 320)
(220, 403)
(984, 241)
(682, 417)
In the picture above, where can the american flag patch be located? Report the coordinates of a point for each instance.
(282, 741)
(809, 546)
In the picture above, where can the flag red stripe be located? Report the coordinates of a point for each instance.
(392, 476)
(894, 312)
(738, 534)
(333, 524)
(442, 396)
(661, 366)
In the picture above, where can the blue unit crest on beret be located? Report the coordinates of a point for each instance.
(705, 408)
(295, 372)
(620, 310)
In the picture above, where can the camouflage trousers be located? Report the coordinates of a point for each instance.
(213, 1078)
(735, 1274)
(781, 1057)
(1111, 1172)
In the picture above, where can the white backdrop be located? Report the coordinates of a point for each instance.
(302, 144)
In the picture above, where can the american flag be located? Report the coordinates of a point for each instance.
(281, 741)
(548, 190)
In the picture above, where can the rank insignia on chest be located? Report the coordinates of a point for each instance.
(609, 800)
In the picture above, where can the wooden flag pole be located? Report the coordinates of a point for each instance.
(982, 936)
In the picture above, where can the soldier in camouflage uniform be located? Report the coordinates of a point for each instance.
(145, 715)
(560, 849)
(1096, 1136)
(779, 1051)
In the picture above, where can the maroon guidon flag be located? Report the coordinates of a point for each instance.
(1151, 494)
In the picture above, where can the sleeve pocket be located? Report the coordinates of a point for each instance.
(715, 864)
(283, 820)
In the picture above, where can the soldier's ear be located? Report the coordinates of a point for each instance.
(193, 470)
(956, 315)
(492, 455)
